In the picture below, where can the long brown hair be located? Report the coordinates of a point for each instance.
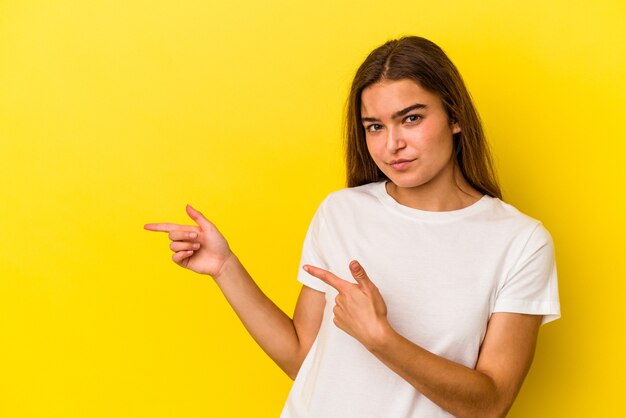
(422, 61)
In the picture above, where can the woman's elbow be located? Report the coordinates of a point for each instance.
(293, 368)
(494, 408)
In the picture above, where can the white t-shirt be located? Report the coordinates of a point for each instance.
(441, 274)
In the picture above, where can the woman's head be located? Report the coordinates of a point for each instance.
(421, 61)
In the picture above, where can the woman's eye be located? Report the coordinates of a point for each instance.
(412, 118)
(373, 127)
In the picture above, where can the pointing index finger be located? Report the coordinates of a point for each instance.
(328, 278)
(163, 227)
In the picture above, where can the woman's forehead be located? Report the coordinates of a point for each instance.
(391, 96)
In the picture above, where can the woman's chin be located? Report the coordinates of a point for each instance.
(405, 182)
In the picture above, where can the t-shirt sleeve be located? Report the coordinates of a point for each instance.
(531, 287)
(312, 253)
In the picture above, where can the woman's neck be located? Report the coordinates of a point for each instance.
(437, 195)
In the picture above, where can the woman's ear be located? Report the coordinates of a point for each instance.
(455, 127)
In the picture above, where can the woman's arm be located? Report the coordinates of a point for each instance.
(285, 340)
(487, 391)
(203, 249)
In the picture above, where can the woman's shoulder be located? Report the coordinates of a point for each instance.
(501, 209)
(507, 213)
(353, 196)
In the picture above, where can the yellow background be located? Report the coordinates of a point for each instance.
(118, 113)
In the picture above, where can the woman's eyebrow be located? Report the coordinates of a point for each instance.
(398, 114)
(406, 110)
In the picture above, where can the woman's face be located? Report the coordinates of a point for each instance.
(408, 133)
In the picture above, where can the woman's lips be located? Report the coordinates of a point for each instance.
(401, 164)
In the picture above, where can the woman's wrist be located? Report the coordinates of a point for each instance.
(381, 338)
(227, 267)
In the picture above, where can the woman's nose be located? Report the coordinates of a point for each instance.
(395, 140)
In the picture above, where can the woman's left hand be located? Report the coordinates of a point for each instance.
(359, 308)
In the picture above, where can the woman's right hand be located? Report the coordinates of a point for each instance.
(200, 248)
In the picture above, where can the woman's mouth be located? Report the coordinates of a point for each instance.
(401, 164)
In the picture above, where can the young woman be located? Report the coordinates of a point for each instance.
(423, 292)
